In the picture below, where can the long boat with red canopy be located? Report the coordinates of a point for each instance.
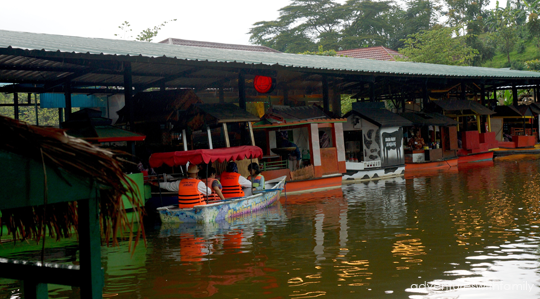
(220, 210)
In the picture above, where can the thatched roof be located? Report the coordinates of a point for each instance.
(56, 150)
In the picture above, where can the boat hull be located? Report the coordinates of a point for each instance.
(435, 165)
(222, 210)
(480, 157)
(313, 185)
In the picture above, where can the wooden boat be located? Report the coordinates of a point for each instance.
(224, 210)
(322, 163)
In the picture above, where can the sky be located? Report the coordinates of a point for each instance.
(224, 21)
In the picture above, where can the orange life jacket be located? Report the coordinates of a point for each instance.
(231, 187)
(214, 195)
(189, 195)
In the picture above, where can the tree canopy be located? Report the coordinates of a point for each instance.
(414, 26)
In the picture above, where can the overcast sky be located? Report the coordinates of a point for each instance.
(225, 21)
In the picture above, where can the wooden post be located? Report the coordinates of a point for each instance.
(226, 133)
(251, 133)
(184, 139)
(128, 99)
(211, 146)
(16, 105)
(60, 117)
(514, 94)
(90, 249)
(325, 94)
(242, 90)
(483, 102)
(478, 126)
(372, 91)
(36, 108)
(425, 95)
(457, 119)
(67, 98)
(489, 122)
(336, 100)
(221, 94)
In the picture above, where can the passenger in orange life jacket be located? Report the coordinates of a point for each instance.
(214, 184)
(191, 191)
(233, 182)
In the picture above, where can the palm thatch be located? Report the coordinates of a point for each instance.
(56, 149)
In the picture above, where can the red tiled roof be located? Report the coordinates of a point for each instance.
(377, 53)
(194, 43)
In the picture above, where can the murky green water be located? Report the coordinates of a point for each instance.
(467, 234)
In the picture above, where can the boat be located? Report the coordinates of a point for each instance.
(226, 209)
(442, 131)
(373, 143)
(221, 210)
(322, 163)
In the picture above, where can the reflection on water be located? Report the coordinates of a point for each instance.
(450, 234)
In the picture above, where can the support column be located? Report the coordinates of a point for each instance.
(60, 117)
(336, 100)
(536, 93)
(425, 95)
(128, 98)
(226, 133)
(211, 146)
(242, 90)
(372, 91)
(36, 108)
(340, 147)
(315, 149)
(483, 102)
(489, 122)
(221, 94)
(325, 94)
(251, 133)
(184, 139)
(90, 249)
(16, 105)
(514, 95)
(67, 98)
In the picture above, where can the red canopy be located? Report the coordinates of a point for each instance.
(205, 155)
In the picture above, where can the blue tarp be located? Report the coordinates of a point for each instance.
(57, 100)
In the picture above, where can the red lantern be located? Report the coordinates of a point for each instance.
(263, 84)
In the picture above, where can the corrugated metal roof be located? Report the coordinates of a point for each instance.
(429, 119)
(380, 117)
(224, 113)
(292, 114)
(194, 43)
(97, 46)
(462, 107)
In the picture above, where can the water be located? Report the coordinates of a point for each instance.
(472, 233)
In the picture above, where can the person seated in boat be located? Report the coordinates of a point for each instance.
(214, 184)
(258, 178)
(191, 191)
(416, 142)
(232, 182)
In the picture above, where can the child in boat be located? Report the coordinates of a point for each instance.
(233, 182)
(214, 184)
(258, 178)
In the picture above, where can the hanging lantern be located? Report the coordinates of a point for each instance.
(263, 84)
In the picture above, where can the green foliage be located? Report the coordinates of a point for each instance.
(46, 116)
(517, 65)
(321, 52)
(533, 65)
(146, 35)
(439, 47)
(520, 47)
(346, 103)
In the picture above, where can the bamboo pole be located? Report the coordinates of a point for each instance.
(226, 133)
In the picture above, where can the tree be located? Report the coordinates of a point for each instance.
(418, 15)
(321, 52)
(146, 35)
(439, 47)
(502, 22)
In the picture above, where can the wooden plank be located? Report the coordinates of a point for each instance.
(46, 273)
(23, 183)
